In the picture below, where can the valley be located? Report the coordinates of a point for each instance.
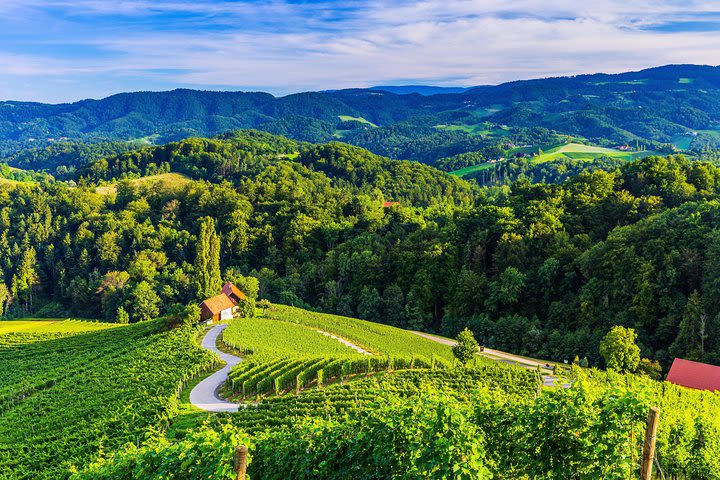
(400, 267)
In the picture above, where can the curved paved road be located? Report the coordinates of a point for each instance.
(204, 395)
(548, 380)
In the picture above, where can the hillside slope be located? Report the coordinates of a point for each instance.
(654, 106)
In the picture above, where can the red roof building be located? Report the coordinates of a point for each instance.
(700, 376)
(224, 306)
(390, 204)
(233, 292)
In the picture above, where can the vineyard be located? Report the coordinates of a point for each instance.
(69, 390)
(373, 337)
(86, 400)
(270, 338)
(288, 350)
(451, 424)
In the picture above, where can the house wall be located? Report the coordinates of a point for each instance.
(226, 314)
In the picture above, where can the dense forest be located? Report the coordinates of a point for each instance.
(658, 106)
(541, 269)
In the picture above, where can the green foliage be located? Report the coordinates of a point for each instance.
(430, 439)
(122, 316)
(573, 433)
(373, 337)
(271, 338)
(144, 302)
(250, 286)
(466, 347)
(207, 260)
(205, 453)
(71, 390)
(619, 350)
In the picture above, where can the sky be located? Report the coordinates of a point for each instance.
(66, 50)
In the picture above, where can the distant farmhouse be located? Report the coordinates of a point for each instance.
(700, 376)
(222, 307)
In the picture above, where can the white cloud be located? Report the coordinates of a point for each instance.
(301, 46)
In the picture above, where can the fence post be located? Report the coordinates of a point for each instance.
(649, 445)
(240, 461)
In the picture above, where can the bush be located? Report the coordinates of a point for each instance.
(205, 453)
(431, 438)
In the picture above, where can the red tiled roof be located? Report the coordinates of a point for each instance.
(229, 289)
(218, 303)
(390, 204)
(694, 375)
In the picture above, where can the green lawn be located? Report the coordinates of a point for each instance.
(483, 128)
(574, 151)
(348, 118)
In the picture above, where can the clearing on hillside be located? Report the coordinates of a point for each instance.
(165, 181)
(348, 118)
(567, 151)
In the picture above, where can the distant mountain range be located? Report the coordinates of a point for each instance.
(677, 104)
(421, 89)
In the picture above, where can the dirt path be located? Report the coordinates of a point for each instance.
(548, 380)
(205, 394)
(345, 342)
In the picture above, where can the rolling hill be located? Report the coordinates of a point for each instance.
(655, 106)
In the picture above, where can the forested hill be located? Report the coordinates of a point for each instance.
(534, 269)
(245, 154)
(677, 105)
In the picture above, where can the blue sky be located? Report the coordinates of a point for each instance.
(66, 50)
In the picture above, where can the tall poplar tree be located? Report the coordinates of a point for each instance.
(207, 260)
(26, 278)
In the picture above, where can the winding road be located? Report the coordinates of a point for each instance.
(205, 394)
(548, 380)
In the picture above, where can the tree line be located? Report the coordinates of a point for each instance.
(543, 269)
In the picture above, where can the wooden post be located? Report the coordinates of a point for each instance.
(241, 456)
(649, 446)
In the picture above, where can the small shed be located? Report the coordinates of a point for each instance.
(700, 376)
(218, 308)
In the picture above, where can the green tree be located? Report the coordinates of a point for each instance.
(122, 316)
(26, 279)
(108, 248)
(393, 306)
(690, 340)
(619, 350)
(207, 260)
(264, 304)
(145, 302)
(370, 302)
(250, 286)
(4, 299)
(466, 347)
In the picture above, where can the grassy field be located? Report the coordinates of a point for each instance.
(348, 118)
(572, 151)
(52, 325)
(164, 180)
(577, 151)
(483, 128)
